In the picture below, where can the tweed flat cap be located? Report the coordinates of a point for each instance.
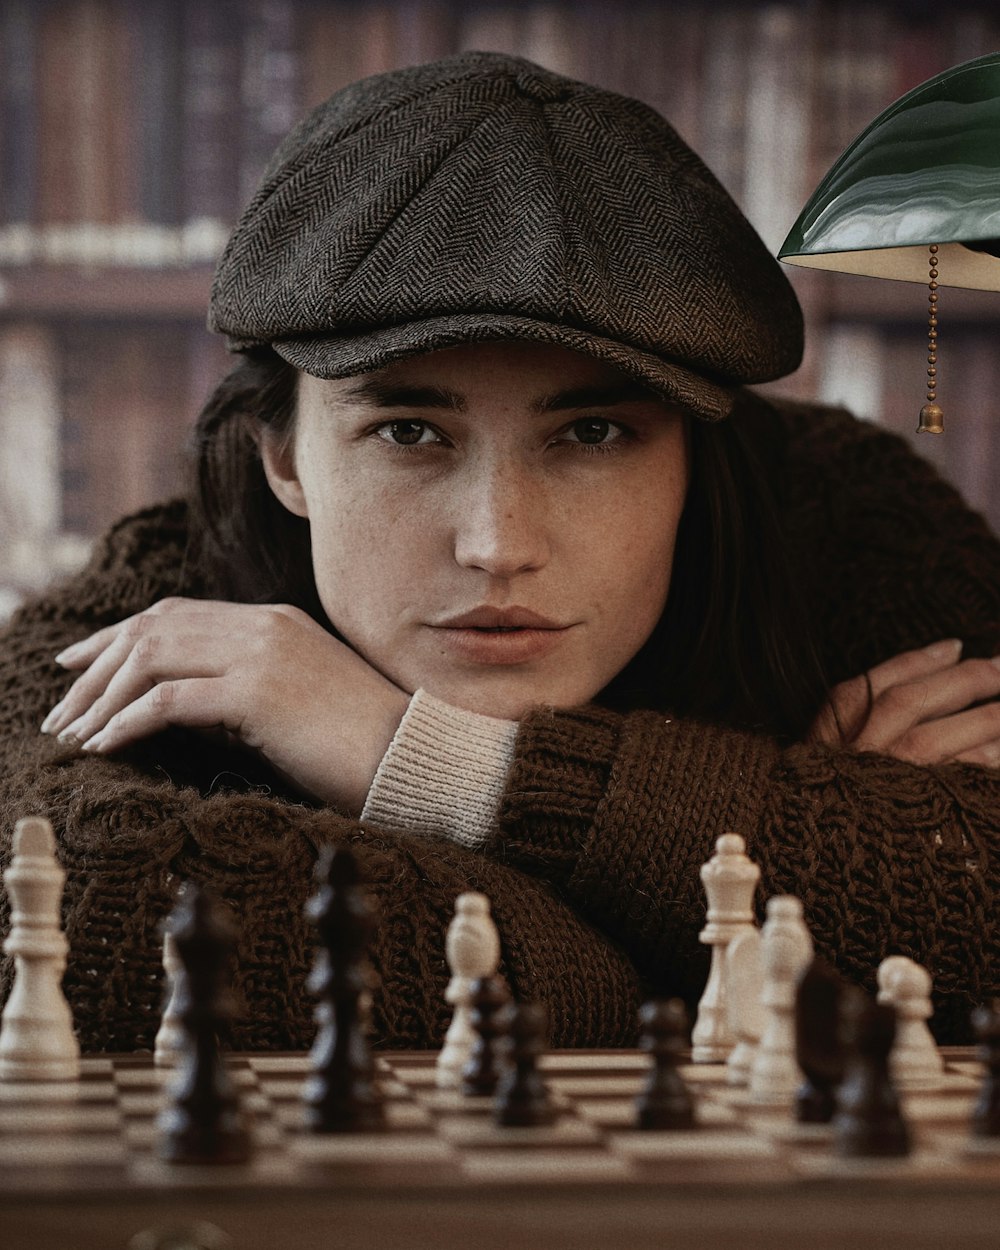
(483, 197)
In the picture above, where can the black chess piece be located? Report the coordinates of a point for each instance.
(868, 1121)
(985, 1120)
(201, 1121)
(340, 1095)
(665, 1101)
(522, 1099)
(819, 1050)
(482, 1071)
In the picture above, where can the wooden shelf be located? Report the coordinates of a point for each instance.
(182, 294)
(850, 297)
(70, 291)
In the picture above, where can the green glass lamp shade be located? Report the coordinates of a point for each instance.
(927, 170)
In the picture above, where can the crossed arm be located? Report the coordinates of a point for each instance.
(323, 718)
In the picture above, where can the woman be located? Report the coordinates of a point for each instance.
(474, 557)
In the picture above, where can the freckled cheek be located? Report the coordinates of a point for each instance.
(366, 556)
(637, 555)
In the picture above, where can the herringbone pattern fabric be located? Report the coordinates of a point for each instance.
(484, 197)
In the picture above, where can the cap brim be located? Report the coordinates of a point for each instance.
(340, 357)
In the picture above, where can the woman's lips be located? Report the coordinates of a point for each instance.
(485, 617)
(492, 635)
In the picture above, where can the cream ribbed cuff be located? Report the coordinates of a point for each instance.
(444, 772)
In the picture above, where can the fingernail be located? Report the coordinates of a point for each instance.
(96, 743)
(946, 649)
(68, 654)
(69, 734)
(69, 742)
(49, 723)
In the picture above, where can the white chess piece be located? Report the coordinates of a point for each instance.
(744, 977)
(786, 949)
(37, 1042)
(472, 949)
(915, 1061)
(730, 879)
(170, 1035)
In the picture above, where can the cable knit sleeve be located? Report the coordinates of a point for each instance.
(619, 811)
(130, 828)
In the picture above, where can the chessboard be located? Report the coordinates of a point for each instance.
(79, 1167)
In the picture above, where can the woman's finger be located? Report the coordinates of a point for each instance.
(104, 653)
(83, 653)
(89, 686)
(985, 756)
(928, 701)
(846, 712)
(975, 731)
(156, 657)
(912, 665)
(197, 702)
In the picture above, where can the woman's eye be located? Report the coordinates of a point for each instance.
(408, 433)
(592, 431)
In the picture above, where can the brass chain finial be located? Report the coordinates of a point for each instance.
(931, 417)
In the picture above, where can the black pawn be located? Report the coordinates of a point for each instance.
(665, 1101)
(819, 1050)
(868, 1121)
(340, 1094)
(522, 1097)
(482, 1071)
(986, 1113)
(202, 1122)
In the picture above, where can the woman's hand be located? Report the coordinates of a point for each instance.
(269, 675)
(923, 706)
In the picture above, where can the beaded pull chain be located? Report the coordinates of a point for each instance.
(931, 416)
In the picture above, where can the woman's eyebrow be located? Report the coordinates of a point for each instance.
(593, 397)
(382, 394)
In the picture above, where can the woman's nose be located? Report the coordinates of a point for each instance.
(501, 523)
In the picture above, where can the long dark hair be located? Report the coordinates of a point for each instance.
(731, 646)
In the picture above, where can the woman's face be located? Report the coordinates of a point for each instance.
(494, 522)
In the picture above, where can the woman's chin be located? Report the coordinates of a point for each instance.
(501, 702)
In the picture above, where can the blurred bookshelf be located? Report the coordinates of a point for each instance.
(131, 132)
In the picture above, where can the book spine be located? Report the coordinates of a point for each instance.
(211, 129)
(498, 28)
(94, 107)
(271, 86)
(18, 100)
(776, 127)
(919, 54)
(58, 200)
(723, 106)
(427, 30)
(156, 43)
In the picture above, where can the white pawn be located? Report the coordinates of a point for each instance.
(472, 949)
(915, 1061)
(786, 950)
(37, 1042)
(170, 1035)
(744, 987)
(730, 879)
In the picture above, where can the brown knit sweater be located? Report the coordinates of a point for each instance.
(593, 874)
